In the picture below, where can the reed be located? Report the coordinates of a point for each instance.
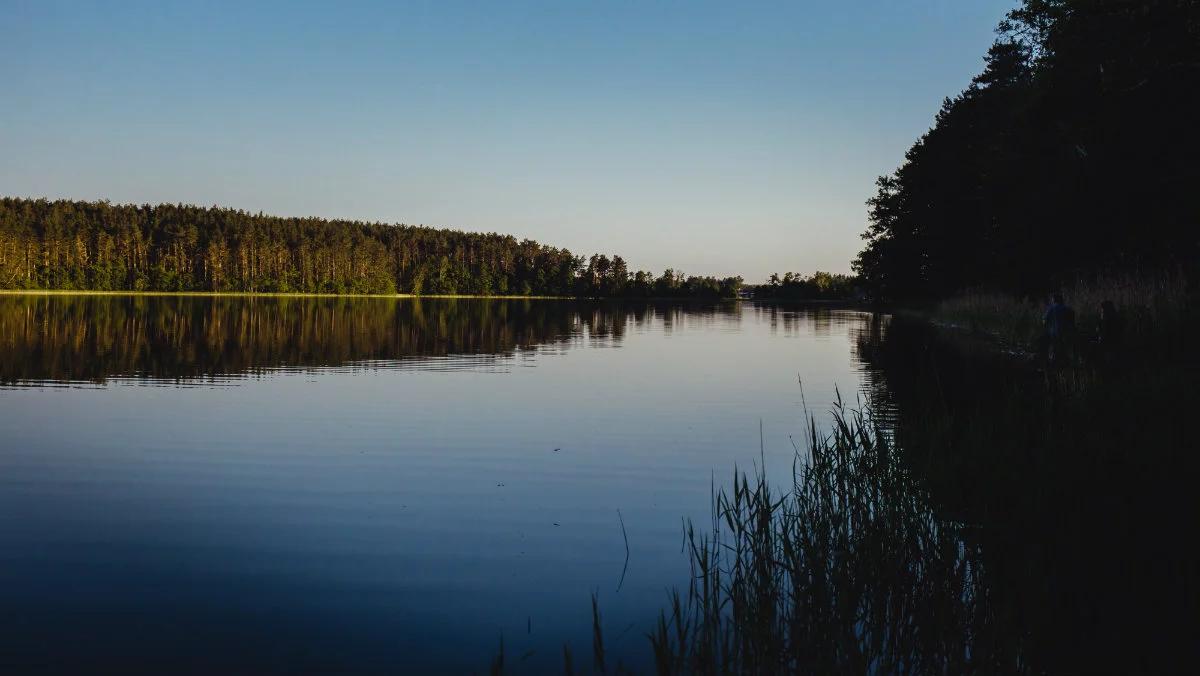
(849, 569)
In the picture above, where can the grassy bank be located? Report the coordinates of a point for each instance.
(1148, 303)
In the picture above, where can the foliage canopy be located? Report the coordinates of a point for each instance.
(1071, 155)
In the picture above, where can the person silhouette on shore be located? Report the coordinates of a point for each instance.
(1111, 324)
(1059, 324)
(1110, 333)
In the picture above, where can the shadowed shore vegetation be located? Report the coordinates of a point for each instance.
(1152, 308)
(1076, 479)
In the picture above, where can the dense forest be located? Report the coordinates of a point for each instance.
(1072, 155)
(66, 244)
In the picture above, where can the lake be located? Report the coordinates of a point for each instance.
(281, 484)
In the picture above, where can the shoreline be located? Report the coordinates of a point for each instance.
(827, 303)
(262, 294)
(292, 294)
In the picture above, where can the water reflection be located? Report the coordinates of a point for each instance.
(398, 506)
(1058, 507)
(795, 319)
(395, 510)
(64, 340)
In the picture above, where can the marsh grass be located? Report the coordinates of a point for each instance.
(847, 570)
(1149, 304)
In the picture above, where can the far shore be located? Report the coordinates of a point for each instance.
(280, 294)
(266, 294)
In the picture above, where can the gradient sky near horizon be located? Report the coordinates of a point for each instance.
(713, 137)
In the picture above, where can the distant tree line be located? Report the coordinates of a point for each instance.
(817, 286)
(603, 277)
(1073, 154)
(65, 244)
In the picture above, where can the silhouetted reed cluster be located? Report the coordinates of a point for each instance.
(848, 570)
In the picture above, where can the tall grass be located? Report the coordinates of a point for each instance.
(848, 570)
(1149, 304)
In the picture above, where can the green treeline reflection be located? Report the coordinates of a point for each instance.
(56, 339)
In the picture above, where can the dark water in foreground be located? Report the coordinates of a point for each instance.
(374, 484)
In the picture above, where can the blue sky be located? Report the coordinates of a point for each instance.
(719, 138)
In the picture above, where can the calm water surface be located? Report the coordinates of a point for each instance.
(375, 485)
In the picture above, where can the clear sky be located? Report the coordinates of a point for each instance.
(717, 138)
